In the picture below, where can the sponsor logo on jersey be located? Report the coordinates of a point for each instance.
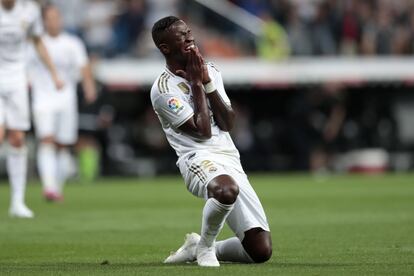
(184, 87)
(175, 105)
(208, 166)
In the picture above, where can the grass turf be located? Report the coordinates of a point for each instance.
(337, 225)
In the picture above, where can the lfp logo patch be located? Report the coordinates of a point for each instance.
(175, 105)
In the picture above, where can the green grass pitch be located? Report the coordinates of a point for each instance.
(337, 225)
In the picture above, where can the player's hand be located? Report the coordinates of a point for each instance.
(59, 84)
(206, 77)
(330, 133)
(194, 68)
(90, 97)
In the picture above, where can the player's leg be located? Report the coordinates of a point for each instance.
(258, 244)
(2, 119)
(256, 247)
(210, 181)
(2, 132)
(46, 165)
(45, 122)
(66, 137)
(222, 193)
(17, 121)
(64, 165)
(248, 220)
(17, 170)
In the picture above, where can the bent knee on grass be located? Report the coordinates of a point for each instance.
(258, 244)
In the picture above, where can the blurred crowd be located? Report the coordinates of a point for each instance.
(289, 27)
(343, 27)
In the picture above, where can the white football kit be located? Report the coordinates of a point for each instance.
(23, 21)
(200, 161)
(55, 111)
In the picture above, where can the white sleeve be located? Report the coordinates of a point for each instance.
(81, 57)
(215, 75)
(36, 26)
(32, 61)
(172, 107)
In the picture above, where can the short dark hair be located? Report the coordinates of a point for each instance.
(160, 26)
(46, 7)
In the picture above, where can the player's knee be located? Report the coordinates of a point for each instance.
(258, 244)
(47, 140)
(226, 192)
(16, 139)
(262, 254)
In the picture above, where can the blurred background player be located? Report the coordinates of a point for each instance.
(19, 20)
(55, 112)
(196, 115)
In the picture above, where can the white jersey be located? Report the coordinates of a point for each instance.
(172, 100)
(69, 55)
(16, 26)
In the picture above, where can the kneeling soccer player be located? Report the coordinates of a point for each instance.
(196, 115)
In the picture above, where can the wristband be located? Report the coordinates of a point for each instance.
(209, 87)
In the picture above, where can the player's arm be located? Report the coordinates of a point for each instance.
(223, 113)
(45, 58)
(88, 83)
(334, 123)
(199, 125)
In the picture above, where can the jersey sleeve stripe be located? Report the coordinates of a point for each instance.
(166, 83)
(163, 83)
(161, 86)
(196, 169)
(159, 83)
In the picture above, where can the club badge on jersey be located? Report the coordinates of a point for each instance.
(184, 87)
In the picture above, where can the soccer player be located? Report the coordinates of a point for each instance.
(55, 112)
(20, 20)
(196, 115)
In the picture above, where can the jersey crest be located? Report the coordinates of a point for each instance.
(184, 88)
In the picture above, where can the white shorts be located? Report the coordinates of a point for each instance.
(59, 122)
(14, 106)
(200, 169)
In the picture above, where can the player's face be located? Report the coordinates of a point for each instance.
(8, 4)
(52, 21)
(180, 40)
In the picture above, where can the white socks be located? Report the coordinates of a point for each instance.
(231, 250)
(53, 166)
(64, 162)
(214, 216)
(17, 170)
(46, 164)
